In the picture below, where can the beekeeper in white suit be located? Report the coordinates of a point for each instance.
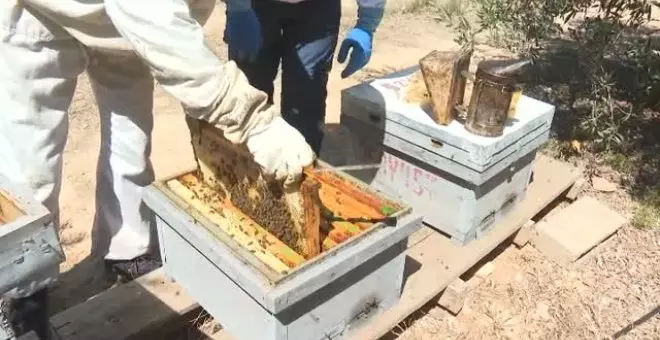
(124, 45)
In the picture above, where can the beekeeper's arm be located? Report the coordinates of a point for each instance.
(172, 44)
(359, 40)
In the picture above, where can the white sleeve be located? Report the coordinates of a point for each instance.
(172, 44)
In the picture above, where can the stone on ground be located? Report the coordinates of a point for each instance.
(575, 230)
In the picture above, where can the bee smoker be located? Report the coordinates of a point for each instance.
(495, 83)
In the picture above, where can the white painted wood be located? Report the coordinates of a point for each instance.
(326, 298)
(462, 183)
(30, 251)
(453, 166)
(453, 206)
(381, 103)
(214, 290)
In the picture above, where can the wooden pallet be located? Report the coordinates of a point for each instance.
(128, 311)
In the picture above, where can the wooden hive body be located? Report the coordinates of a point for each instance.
(30, 251)
(462, 183)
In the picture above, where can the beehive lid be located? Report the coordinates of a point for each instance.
(383, 103)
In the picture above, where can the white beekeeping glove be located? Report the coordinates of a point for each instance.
(244, 116)
(280, 150)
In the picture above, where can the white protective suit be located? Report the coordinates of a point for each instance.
(124, 45)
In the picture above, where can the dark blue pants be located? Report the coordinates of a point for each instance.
(303, 37)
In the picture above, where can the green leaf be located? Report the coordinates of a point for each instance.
(387, 210)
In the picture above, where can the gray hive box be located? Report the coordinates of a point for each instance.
(327, 297)
(462, 183)
(30, 251)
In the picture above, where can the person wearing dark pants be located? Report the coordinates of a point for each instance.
(301, 36)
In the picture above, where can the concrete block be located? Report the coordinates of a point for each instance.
(453, 298)
(572, 232)
(603, 185)
(524, 234)
(485, 271)
(576, 189)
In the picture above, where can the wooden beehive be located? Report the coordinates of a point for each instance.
(262, 289)
(281, 229)
(30, 250)
(478, 180)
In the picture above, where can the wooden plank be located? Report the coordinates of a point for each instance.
(135, 310)
(346, 205)
(329, 243)
(365, 198)
(221, 335)
(443, 261)
(173, 204)
(312, 216)
(236, 231)
(332, 198)
(9, 210)
(292, 216)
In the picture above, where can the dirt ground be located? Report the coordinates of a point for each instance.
(527, 296)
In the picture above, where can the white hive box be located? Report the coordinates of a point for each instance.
(462, 183)
(328, 297)
(30, 251)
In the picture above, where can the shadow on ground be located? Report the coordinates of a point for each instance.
(611, 105)
(80, 283)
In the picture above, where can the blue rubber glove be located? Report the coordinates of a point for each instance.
(243, 30)
(360, 41)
